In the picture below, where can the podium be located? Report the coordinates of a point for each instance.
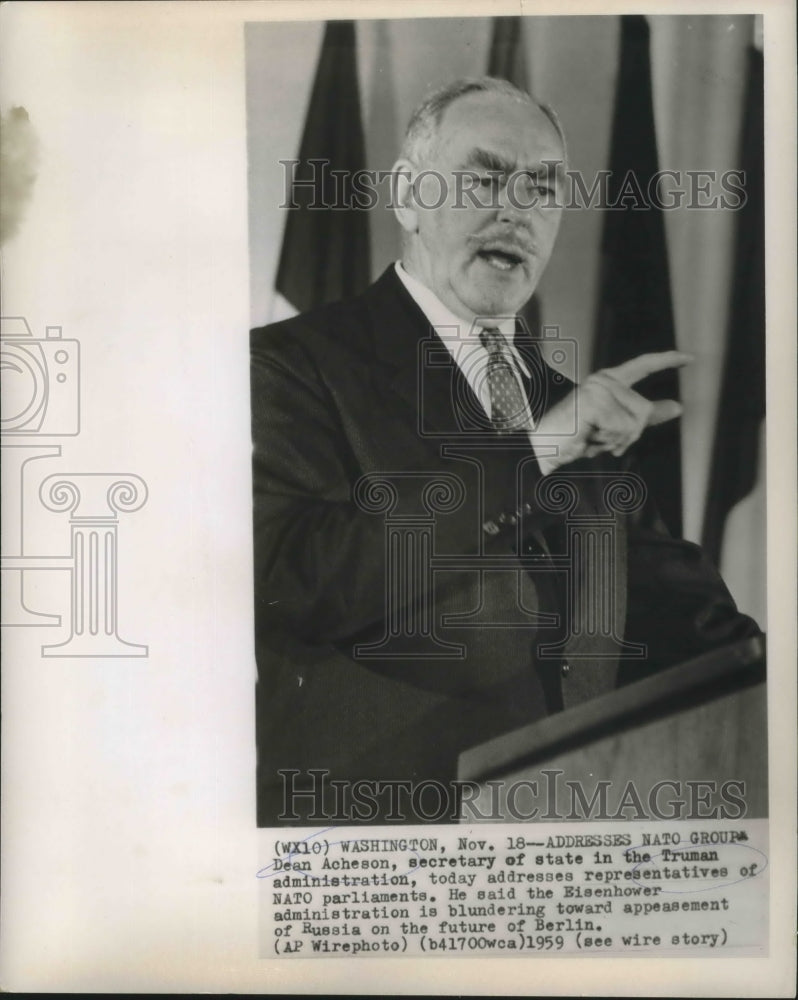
(691, 741)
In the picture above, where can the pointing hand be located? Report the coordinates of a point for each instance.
(611, 416)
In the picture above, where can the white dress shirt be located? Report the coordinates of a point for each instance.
(461, 338)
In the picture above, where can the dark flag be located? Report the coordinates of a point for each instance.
(741, 408)
(381, 132)
(635, 314)
(325, 252)
(507, 61)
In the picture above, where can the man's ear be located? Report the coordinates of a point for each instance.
(403, 200)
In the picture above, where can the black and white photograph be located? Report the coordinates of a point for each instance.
(398, 498)
(508, 401)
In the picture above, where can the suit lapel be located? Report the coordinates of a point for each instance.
(413, 363)
(414, 367)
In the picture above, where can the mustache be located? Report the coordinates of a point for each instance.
(508, 240)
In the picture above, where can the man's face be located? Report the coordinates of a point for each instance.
(484, 249)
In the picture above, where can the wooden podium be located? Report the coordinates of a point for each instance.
(702, 721)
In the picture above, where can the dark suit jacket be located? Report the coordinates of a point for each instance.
(351, 389)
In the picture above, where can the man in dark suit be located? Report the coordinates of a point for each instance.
(422, 480)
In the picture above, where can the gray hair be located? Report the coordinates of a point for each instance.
(422, 129)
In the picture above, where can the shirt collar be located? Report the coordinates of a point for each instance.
(440, 315)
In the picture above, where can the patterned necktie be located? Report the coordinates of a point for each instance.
(509, 407)
(508, 404)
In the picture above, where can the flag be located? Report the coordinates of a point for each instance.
(325, 251)
(382, 135)
(635, 314)
(741, 408)
(507, 61)
(507, 58)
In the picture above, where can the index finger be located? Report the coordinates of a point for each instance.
(646, 364)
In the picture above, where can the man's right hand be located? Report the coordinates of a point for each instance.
(611, 416)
